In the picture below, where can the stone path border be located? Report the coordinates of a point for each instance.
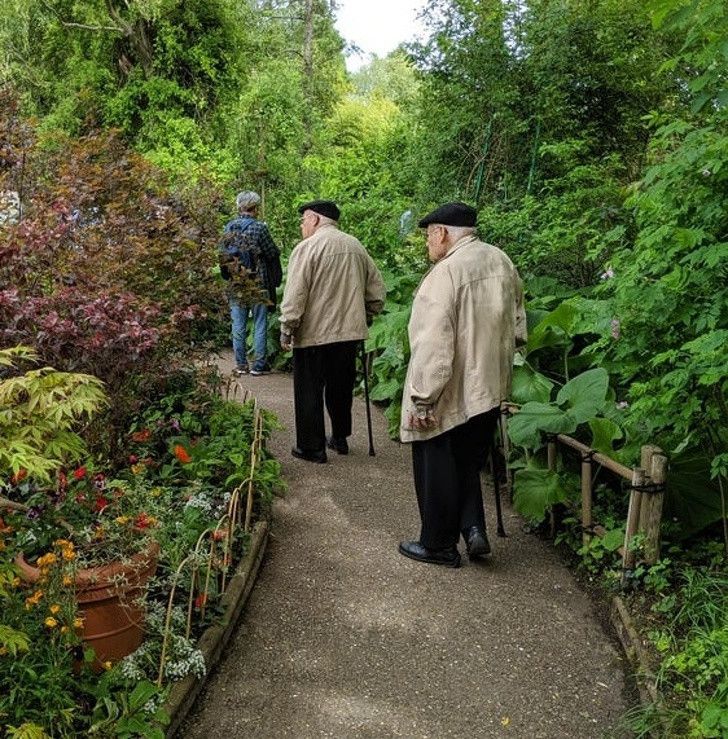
(211, 644)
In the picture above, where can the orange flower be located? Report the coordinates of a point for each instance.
(47, 560)
(218, 535)
(77, 623)
(51, 622)
(144, 521)
(34, 599)
(54, 609)
(19, 476)
(201, 600)
(67, 580)
(141, 436)
(181, 453)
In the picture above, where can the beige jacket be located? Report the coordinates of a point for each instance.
(466, 317)
(333, 286)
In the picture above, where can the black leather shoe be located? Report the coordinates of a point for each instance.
(338, 444)
(449, 557)
(476, 542)
(319, 457)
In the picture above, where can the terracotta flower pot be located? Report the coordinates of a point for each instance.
(113, 622)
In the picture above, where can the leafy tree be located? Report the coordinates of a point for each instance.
(669, 290)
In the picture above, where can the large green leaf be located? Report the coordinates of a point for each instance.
(535, 491)
(525, 427)
(529, 385)
(387, 390)
(555, 329)
(604, 432)
(585, 394)
(613, 539)
(692, 498)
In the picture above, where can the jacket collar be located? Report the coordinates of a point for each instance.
(459, 244)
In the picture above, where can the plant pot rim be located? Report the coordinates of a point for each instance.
(93, 576)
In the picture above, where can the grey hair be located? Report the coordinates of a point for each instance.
(323, 220)
(247, 200)
(459, 232)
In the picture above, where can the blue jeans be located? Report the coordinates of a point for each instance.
(239, 316)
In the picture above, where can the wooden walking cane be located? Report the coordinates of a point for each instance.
(365, 370)
(496, 488)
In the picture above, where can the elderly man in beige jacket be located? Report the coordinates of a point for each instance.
(466, 317)
(332, 292)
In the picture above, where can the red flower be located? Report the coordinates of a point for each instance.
(133, 459)
(201, 600)
(141, 436)
(80, 473)
(181, 453)
(142, 521)
(100, 504)
(19, 476)
(218, 534)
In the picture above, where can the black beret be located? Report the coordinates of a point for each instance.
(326, 208)
(451, 214)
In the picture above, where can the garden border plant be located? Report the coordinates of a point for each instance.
(139, 709)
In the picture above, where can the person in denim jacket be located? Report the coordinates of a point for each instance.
(250, 262)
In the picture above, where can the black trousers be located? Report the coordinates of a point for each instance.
(447, 479)
(326, 372)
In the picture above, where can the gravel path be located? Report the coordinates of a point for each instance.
(344, 637)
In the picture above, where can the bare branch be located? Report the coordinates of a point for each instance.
(72, 24)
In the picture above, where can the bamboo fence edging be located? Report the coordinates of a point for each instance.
(647, 492)
(184, 693)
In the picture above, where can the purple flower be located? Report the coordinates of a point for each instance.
(174, 423)
(615, 328)
(34, 512)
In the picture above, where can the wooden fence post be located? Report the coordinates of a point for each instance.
(586, 498)
(633, 518)
(651, 508)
